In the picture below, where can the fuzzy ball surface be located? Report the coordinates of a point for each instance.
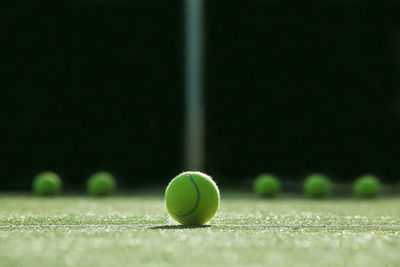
(101, 184)
(367, 186)
(192, 198)
(267, 185)
(47, 184)
(317, 186)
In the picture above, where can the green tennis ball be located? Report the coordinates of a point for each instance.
(47, 184)
(367, 186)
(192, 198)
(101, 184)
(267, 185)
(317, 186)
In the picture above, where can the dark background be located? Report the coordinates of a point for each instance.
(290, 89)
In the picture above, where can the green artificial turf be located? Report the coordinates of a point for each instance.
(135, 230)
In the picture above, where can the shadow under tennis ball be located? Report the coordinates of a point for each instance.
(177, 227)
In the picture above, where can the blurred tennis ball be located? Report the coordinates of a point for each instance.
(192, 198)
(101, 184)
(317, 186)
(267, 185)
(47, 184)
(367, 186)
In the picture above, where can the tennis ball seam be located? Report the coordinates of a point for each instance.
(196, 205)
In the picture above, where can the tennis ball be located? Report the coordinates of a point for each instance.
(367, 186)
(192, 198)
(317, 186)
(101, 184)
(267, 185)
(47, 184)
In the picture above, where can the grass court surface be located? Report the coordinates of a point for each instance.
(135, 230)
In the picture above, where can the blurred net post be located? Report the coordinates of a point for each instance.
(194, 111)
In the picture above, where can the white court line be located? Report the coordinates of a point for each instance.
(176, 226)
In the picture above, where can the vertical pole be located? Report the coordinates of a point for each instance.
(194, 112)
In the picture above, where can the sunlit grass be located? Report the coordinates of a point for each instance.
(135, 230)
